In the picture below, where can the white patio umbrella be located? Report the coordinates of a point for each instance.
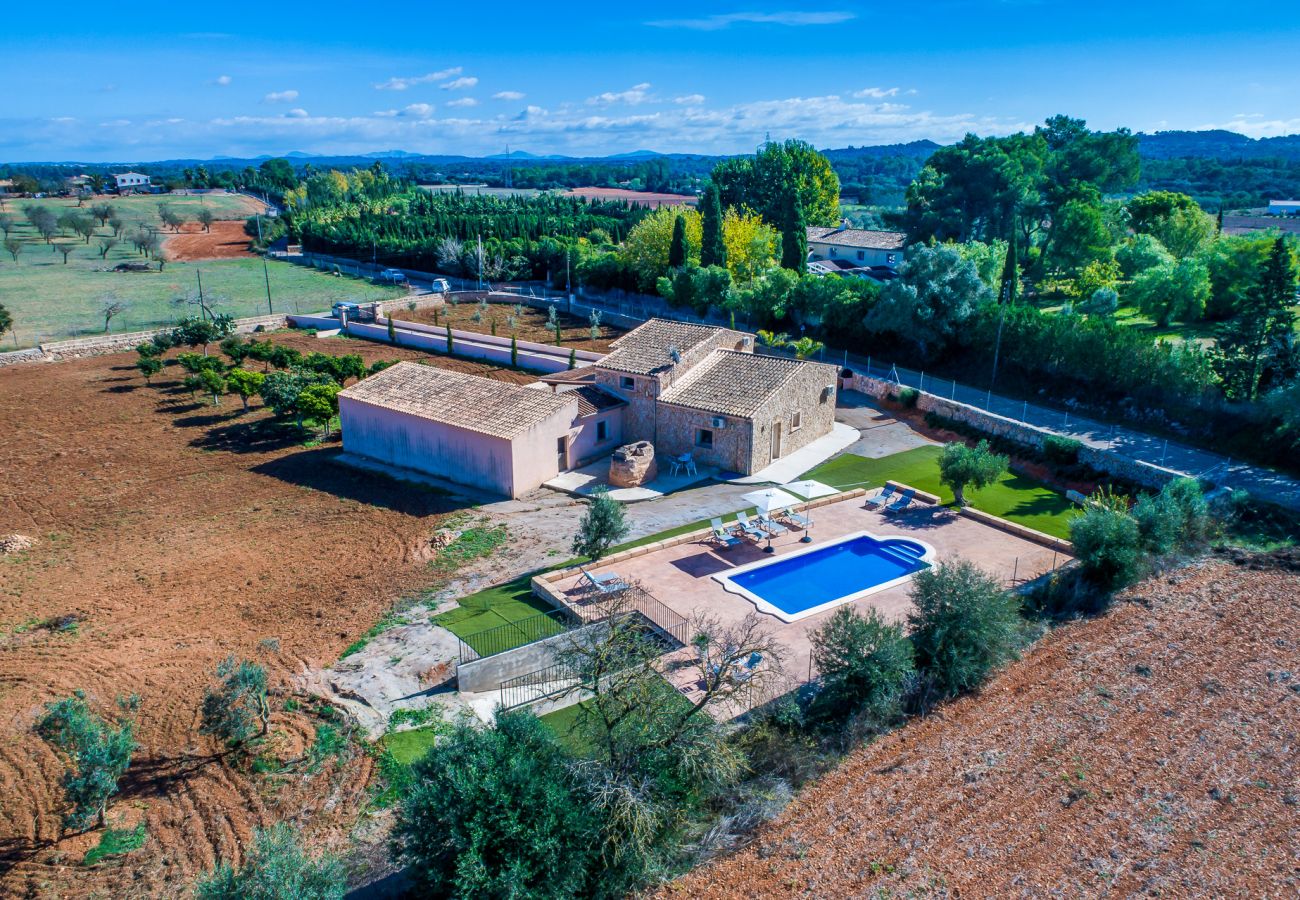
(768, 500)
(809, 490)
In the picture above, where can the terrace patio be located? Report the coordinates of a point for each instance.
(679, 573)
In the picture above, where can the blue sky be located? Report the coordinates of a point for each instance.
(149, 80)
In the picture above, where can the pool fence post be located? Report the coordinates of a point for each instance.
(1053, 559)
(1067, 419)
(921, 386)
(953, 396)
(988, 398)
(1164, 452)
(1015, 570)
(1024, 413)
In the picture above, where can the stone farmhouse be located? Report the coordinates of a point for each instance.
(687, 389)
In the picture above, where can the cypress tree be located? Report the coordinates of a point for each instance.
(573, 358)
(713, 252)
(677, 249)
(1010, 272)
(794, 237)
(392, 332)
(450, 346)
(514, 352)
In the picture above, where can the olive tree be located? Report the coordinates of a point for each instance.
(96, 754)
(977, 466)
(277, 868)
(603, 525)
(863, 661)
(244, 383)
(236, 710)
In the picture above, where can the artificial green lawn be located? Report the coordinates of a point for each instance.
(408, 746)
(1013, 497)
(51, 301)
(494, 607)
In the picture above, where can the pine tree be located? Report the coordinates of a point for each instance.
(713, 252)
(1263, 319)
(794, 237)
(677, 249)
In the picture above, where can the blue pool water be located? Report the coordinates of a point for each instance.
(798, 583)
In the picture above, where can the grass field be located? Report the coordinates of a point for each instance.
(1012, 497)
(50, 300)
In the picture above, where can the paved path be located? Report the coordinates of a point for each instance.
(1264, 483)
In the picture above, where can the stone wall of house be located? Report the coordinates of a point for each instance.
(732, 448)
(805, 393)
(639, 414)
(1101, 458)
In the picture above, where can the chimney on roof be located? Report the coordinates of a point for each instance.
(844, 224)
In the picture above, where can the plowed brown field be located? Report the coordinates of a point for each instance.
(226, 240)
(179, 534)
(1153, 752)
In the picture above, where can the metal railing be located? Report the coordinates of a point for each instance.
(513, 635)
(540, 685)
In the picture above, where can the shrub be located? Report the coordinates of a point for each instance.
(497, 812)
(276, 869)
(1177, 518)
(964, 625)
(863, 661)
(976, 466)
(1061, 451)
(1108, 545)
(907, 397)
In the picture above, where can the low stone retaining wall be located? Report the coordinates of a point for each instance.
(487, 673)
(1101, 458)
(101, 345)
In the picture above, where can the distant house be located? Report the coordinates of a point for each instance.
(855, 251)
(1284, 207)
(129, 182)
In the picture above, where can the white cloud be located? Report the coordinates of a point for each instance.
(508, 95)
(726, 20)
(297, 113)
(459, 84)
(1257, 125)
(877, 93)
(463, 102)
(418, 111)
(280, 97)
(222, 80)
(634, 95)
(401, 84)
(689, 100)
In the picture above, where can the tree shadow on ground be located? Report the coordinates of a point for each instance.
(121, 389)
(319, 470)
(234, 434)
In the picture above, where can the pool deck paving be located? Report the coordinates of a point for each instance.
(681, 576)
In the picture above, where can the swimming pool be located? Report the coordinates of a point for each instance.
(805, 582)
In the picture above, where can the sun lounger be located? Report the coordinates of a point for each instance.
(882, 498)
(799, 520)
(608, 583)
(902, 503)
(749, 528)
(722, 535)
(771, 526)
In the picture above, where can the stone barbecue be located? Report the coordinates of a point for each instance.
(633, 465)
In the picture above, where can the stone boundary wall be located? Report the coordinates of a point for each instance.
(1100, 458)
(79, 348)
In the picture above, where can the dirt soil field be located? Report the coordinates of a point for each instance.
(1152, 752)
(226, 240)
(576, 331)
(645, 198)
(175, 534)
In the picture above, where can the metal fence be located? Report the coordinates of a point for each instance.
(513, 635)
(540, 685)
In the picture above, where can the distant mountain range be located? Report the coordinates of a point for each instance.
(1216, 144)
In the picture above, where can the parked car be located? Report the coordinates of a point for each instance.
(439, 286)
(392, 276)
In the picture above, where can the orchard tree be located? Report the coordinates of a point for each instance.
(603, 525)
(106, 244)
(245, 383)
(961, 466)
(214, 382)
(236, 710)
(206, 217)
(65, 249)
(319, 403)
(6, 320)
(149, 366)
(110, 306)
(14, 247)
(96, 754)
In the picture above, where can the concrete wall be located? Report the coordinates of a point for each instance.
(536, 451)
(1100, 458)
(401, 439)
(583, 445)
(487, 674)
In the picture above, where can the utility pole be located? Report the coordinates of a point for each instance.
(267, 275)
(202, 306)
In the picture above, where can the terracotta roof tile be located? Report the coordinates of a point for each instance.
(733, 383)
(644, 349)
(471, 402)
(857, 237)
